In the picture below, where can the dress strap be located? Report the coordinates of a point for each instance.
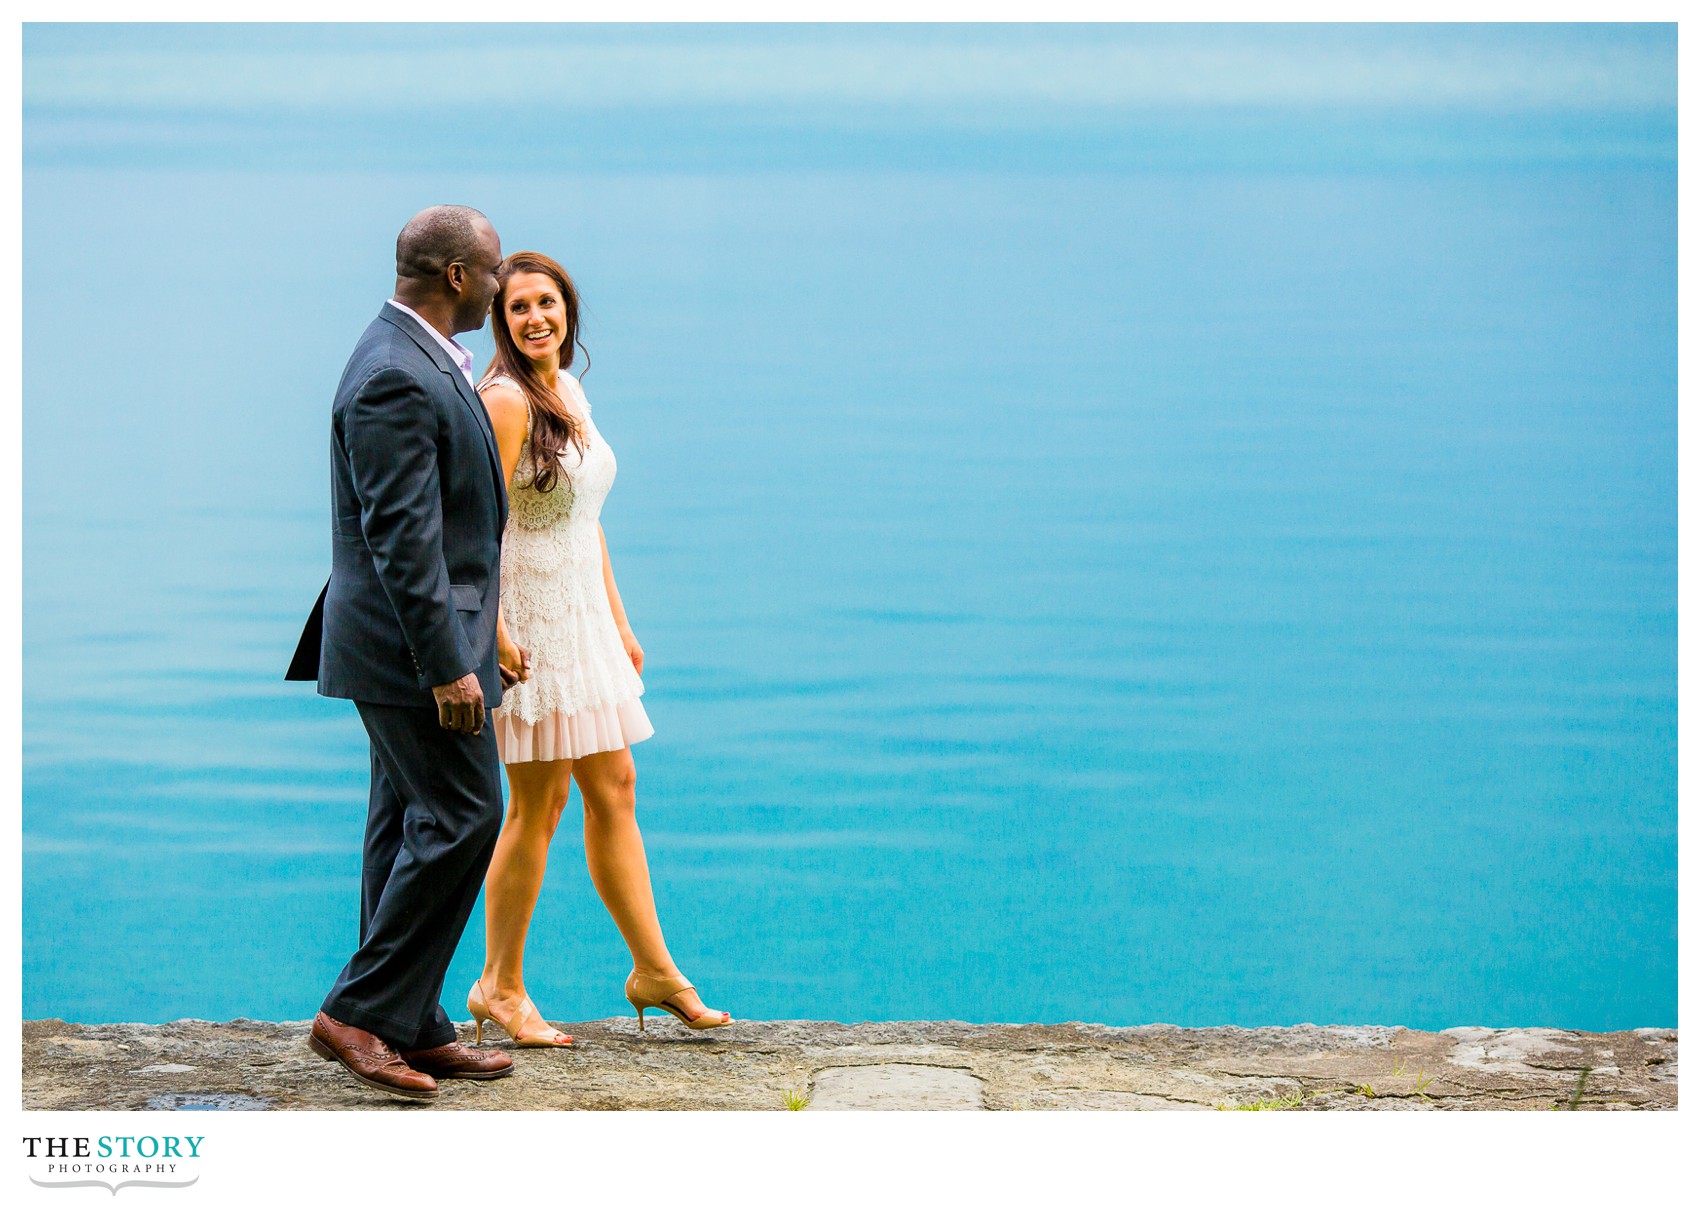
(504, 380)
(578, 392)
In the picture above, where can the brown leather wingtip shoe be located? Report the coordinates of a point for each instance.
(461, 1060)
(368, 1059)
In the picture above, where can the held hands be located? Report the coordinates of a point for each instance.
(513, 661)
(634, 650)
(460, 704)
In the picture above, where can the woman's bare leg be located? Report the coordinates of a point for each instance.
(613, 849)
(537, 793)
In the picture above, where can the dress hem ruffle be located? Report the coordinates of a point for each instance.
(558, 736)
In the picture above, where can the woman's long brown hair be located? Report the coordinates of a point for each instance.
(553, 427)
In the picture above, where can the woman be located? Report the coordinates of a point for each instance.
(574, 713)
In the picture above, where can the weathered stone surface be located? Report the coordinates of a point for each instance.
(247, 1065)
(896, 1088)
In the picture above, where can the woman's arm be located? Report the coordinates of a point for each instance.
(510, 419)
(633, 649)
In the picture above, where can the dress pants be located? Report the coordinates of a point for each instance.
(431, 826)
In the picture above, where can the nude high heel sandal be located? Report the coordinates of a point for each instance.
(480, 1011)
(648, 993)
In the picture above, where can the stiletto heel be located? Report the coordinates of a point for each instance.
(648, 993)
(479, 1007)
(480, 1012)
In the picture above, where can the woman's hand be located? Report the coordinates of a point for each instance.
(513, 661)
(634, 650)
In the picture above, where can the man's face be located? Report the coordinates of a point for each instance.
(479, 283)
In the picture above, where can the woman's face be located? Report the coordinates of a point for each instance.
(536, 315)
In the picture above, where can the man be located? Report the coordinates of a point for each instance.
(406, 628)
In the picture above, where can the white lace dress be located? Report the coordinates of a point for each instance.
(582, 695)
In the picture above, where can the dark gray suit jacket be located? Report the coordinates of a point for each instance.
(417, 510)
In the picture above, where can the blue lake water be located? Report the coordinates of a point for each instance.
(1080, 578)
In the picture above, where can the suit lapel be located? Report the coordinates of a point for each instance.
(441, 360)
(481, 415)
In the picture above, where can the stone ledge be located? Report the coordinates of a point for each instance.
(250, 1065)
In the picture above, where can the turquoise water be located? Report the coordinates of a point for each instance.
(1153, 562)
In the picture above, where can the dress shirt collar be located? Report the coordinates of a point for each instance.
(460, 354)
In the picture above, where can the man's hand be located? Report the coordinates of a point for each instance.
(513, 661)
(460, 705)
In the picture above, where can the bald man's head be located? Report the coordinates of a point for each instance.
(435, 238)
(445, 265)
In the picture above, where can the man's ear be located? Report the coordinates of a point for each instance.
(457, 276)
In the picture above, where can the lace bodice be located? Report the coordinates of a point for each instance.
(578, 492)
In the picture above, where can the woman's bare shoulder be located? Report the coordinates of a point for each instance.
(505, 403)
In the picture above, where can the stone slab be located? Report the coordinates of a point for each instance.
(752, 1065)
(896, 1088)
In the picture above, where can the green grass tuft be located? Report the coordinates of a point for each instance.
(1581, 1084)
(795, 1100)
(1265, 1104)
